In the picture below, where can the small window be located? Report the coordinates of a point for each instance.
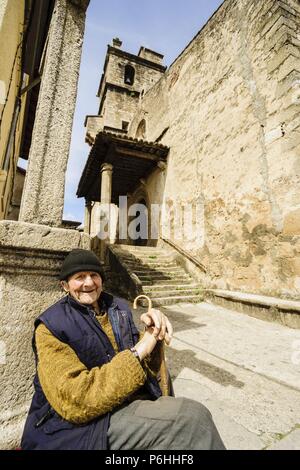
(129, 75)
(125, 126)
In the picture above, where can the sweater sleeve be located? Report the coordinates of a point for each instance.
(77, 393)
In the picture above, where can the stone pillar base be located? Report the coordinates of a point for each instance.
(30, 260)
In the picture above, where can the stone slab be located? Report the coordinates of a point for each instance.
(289, 442)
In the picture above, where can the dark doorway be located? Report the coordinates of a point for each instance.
(143, 216)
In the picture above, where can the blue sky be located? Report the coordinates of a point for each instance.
(165, 26)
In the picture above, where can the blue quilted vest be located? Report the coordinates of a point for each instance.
(75, 324)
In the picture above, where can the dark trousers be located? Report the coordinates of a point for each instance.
(165, 424)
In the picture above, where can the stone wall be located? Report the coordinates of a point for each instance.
(122, 107)
(228, 107)
(30, 259)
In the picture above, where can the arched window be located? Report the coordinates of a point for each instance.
(141, 130)
(129, 75)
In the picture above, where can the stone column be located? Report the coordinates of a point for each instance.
(43, 195)
(87, 217)
(105, 212)
(106, 183)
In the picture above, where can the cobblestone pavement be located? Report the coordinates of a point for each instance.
(246, 371)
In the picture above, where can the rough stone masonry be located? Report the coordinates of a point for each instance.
(229, 109)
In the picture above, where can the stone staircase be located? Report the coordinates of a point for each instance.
(157, 274)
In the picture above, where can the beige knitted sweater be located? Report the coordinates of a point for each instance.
(80, 395)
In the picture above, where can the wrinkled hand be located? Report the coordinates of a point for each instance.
(162, 328)
(146, 345)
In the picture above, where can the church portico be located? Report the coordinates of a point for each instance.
(124, 163)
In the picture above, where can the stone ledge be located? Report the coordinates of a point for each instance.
(286, 312)
(40, 237)
(36, 249)
(26, 261)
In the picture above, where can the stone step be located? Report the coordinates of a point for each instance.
(140, 250)
(150, 271)
(151, 268)
(138, 247)
(162, 278)
(175, 300)
(154, 267)
(174, 293)
(153, 282)
(158, 276)
(160, 262)
(171, 292)
(159, 287)
(151, 259)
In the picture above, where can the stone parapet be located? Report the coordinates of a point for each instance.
(286, 312)
(40, 237)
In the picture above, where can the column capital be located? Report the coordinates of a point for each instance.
(106, 167)
(161, 165)
(81, 4)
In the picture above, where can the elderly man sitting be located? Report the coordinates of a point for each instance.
(96, 384)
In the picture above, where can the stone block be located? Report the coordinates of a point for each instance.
(282, 55)
(289, 442)
(290, 65)
(292, 223)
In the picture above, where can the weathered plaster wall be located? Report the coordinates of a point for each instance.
(230, 103)
(11, 30)
(11, 33)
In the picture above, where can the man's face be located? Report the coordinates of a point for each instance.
(84, 286)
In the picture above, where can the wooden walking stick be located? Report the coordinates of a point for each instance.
(163, 368)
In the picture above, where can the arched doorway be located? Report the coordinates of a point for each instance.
(142, 214)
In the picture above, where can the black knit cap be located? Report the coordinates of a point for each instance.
(80, 260)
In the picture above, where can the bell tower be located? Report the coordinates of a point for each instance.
(125, 79)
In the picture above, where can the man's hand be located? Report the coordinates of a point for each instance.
(162, 328)
(146, 345)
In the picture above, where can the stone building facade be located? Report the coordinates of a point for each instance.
(228, 109)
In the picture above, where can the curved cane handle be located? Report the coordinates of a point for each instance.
(163, 368)
(145, 297)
